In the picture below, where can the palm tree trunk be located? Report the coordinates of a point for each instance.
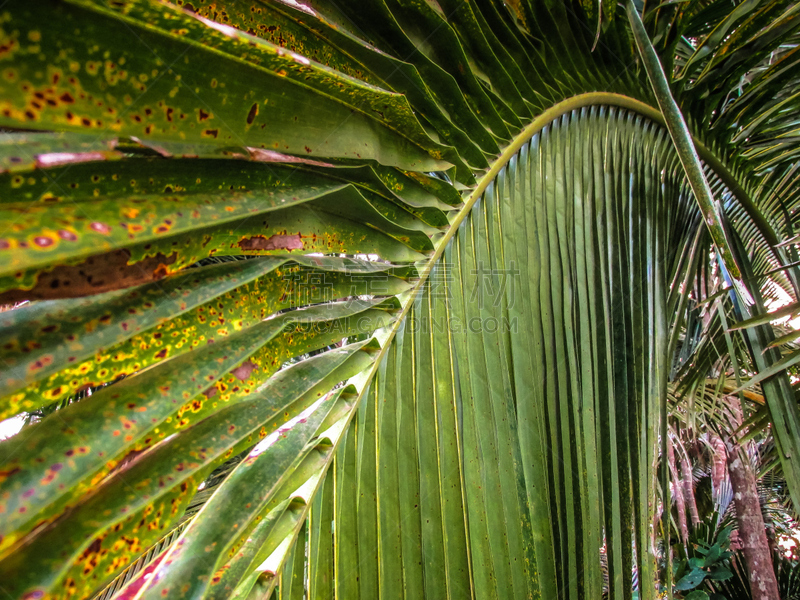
(687, 482)
(718, 469)
(677, 492)
(752, 531)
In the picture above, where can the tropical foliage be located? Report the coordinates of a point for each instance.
(381, 299)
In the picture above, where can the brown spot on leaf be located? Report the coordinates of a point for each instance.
(243, 371)
(251, 116)
(93, 548)
(41, 363)
(100, 227)
(97, 274)
(6, 474)
(275, 242)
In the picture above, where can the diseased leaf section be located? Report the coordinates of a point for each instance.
(396, 384)
(77, 344)
(151, 88)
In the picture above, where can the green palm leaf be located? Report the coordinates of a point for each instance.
(379, 299)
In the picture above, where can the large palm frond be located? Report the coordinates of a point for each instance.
(442, 370)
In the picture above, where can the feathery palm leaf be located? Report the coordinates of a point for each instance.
(468, 220)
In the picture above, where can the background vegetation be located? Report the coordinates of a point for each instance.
(398, 298)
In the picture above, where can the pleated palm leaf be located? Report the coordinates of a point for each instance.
(442, 370)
